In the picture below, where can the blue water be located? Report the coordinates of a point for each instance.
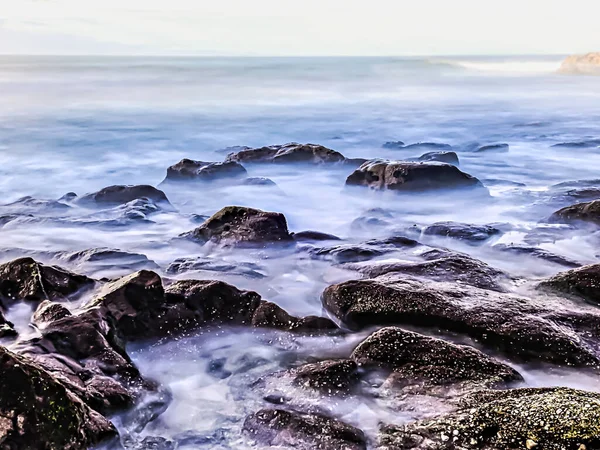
(82, 123)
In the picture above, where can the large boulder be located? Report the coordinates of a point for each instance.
(190, 170)
(588, 64)
(38, 412)
(291, 429)
(549, 419)
(580, 212)
(415, 358)
(519, 327)
(239, 226)
(411, 176)
(26, 279)
(583, 283)
(288, 153)
(121, 194)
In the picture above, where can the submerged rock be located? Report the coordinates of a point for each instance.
(546, 418)
(37, 412)
(288, 153)
(312, 236)
(291, 429)
(349, 253)
(580, 212)
(121, 194)
(492, 148)
(29, 204)
(517, 326)
(415, 358)
(258, 181)
(434, 146)
(589, 143)
(536, 252)
(583, 283)
(190, 170)
(444, 157)
(241, 226)
(393, 145)
(462, 231)
(200, 264)
(411, 177)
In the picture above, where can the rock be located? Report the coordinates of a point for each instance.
(393, 145)
(589, 143)
(7, 329)
(583, 283)
(580, 212)
(288, 153)
(233, 149)
(68, 197)
(519, 327)
(415, 358)
(258, 181)
(536, 252)
(201, 264)
(329, 377)
(105, 259)
(546, 418)
(312, 236)
(493, 148)
(454, 267)
(577, 184)
(26, 279)
(48, 311)
(240, 226)
(434, 146)
(588, 64)
(349, 253)
(291, 429)
(29, 204)
(411, 177)
(269, 315)
(190, 170)
(463, 231)
(444, 157)
(120, 194)
(372, 218)
(37, 412)
(500, 182)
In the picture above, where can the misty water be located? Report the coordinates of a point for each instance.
(80, 124)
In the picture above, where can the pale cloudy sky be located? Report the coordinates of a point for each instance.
(299, 27)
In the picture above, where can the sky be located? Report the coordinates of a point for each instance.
(299, 27)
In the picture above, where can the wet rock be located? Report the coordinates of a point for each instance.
(577, 184)
(347, 253)
(29, 204)
(453, 267)
(411, 177)
(330, 377)
(444, 157)
(536, 252)
(104, 259)
(68, 197)
(500, 182)
(190, 170)
(233, 149)
(493, 148)
(583, 283)
(288, 153)
(589, 143)
(462, 231)
(415, 358)
(121, 194)
(269, 315)
(48, 311)
(37, 412)
(519, 327)
(581, 212)
(258, 181)
(547, 418)
(393, 145)
(26, 279)
(312, 236)
(245, 269)
(241, 226)
(6, 328)
(434, 146)
(278, 427)
(372, 219)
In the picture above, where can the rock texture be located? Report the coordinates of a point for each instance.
(463, 231)
(288, 153)
(588, 64)
(581, 212)
(583, 283)
(411, 177)
(190, 170)
(121, 194)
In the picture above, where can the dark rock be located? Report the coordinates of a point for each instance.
(188, 170)
(546, 418)
(434, 146)
(245, 269)
(258, 181)
(493, 148)
(7, 329)
(454, 267)
(269, 315)
(330, 377)
(48, 311)
(583, 283)
(120, 194)
(415, 358)
(411, 177)
(312, 236)
(347, 253)
(26, 279)
(463, 231)
(444, 157)
(240, 226)
(536, 252)
(393, 145)
(34, 205)
(589, 143)
(98, 259)
(516, 326)
(288, 153)
(580, 212)
(277, 427)
(37, 412)
(68, 197)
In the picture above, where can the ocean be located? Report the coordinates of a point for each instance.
(78, 124)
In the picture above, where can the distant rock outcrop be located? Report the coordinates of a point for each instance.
(588, 64)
